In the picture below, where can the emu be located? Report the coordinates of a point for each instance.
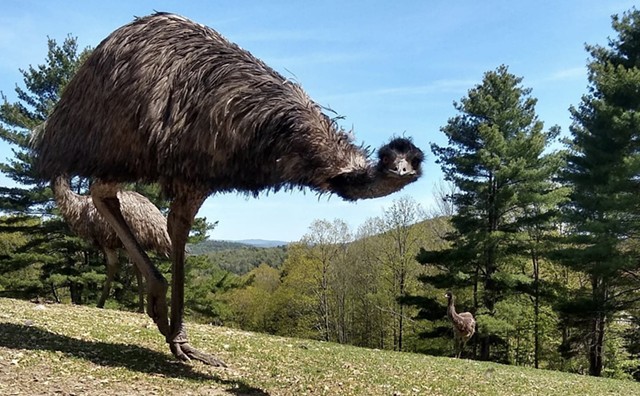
(464, 325)
(147, 223)
(163, 99)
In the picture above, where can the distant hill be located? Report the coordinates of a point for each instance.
(241, 257)
(211, 245)
(262, 243)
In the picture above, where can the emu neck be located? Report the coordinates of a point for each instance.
(367, 182)
(68, 202)
(451, 311)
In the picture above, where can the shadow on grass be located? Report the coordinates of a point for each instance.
(129, 356)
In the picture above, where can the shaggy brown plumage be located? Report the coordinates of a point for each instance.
(464, 325)
(169, 100)
(143, 217)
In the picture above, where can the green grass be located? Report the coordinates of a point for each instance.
(73, 350)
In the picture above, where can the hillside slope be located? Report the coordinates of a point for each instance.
(63, 349)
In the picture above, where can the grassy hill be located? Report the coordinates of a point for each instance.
(63, 349)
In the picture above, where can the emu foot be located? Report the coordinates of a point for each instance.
(185, 352)
(180, 347)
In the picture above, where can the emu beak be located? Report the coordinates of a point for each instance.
(402, 168)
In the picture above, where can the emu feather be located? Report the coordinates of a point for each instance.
(164, 99)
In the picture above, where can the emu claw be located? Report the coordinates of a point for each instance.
(185, 353)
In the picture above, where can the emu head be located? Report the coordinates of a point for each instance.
(448, 295)
(400, 158)
(399, 163)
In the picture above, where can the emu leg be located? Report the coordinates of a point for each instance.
(106, 201)
(181, 213)
(459, 346)
(112, 268)
(140, 286)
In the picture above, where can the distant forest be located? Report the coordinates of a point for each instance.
(239, 258)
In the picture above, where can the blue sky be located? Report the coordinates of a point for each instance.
(391, 68)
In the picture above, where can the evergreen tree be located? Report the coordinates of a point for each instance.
(62, 259)
(495, 158)
(603, 170)
(43, 86)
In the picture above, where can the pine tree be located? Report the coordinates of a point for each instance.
(63, 260)
(43, 86)
(495, 158)
(603, 169)
(29, 199)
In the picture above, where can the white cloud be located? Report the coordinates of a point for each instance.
(438, 86)
(316, 58)
(285, 36)
(573, 73)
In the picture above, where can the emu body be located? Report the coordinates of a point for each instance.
(145, 220)
(464, 325)
(167, 100)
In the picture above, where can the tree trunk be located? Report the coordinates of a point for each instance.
(596, 346)
(401, 293)
(324, 301)
(536, 310)
(598, 325)
(517, 354)
(489, 297)
(476, 304)
(400, 326)
(54, 292)
(75, 290)
(489, 303)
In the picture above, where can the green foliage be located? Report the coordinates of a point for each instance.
(42, 88)
(17, 277)
(238, 258)
(53, 255)
(603, 164)
(252, 305)
(505, 198)
(211, 245)
(206, 285)
(497, 247)
(199, 229)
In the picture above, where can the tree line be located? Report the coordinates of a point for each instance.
(535, 232)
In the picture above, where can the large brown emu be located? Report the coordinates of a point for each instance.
(167, 100)
(144, 219)
(464, 325)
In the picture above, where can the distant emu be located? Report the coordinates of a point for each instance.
(167, 100)
(464, 325)
(147, 223)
